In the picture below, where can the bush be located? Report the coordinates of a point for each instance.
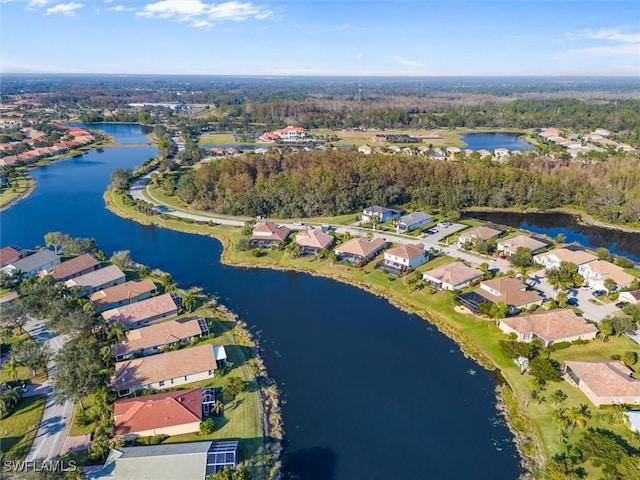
(155, 440)
(82, 419)
(207, 426)
(559, 346)
(580, 341)
(615, 356)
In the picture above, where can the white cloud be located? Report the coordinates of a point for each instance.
(65, 8)
(407, 62)
(119, 8)
(202, 14)
(612, 42)
(36, 3)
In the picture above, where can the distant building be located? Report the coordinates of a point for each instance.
(75, 267)
(412, 221)
(553, 326)
(268, 234)
(314, 240)
(359, 249)
(383, 214)
(552, 258)
(453, 276)
(406, 257)
(144, 312)
(96, 280)
(605, 383)
(34, 263)
(510, 245)
(123, 294)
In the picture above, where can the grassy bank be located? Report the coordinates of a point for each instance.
(19, 429)
(530, 419)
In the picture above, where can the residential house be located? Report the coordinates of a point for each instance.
(382, 214)
(9, 255)
(290, 133)
(34, 263)
(123, 294)
(632, 296)
(483, 233)
(98, 279)
(314, 240)
(552, 258)
(170, 413)
(366, 149)
(507, 290)
(144, 312)
(509, 246)
(412, 221)
(549, 327)
(165, 370)
(360, 249)
(596, 273)
(452, 276)
(152, 339)
(169, 461)
(406, 257)
(268, 234)
(605, 383)
(72, 268)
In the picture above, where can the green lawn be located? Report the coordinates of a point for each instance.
(217, 139)
(477, 337)
(21, 187)
(19, 429)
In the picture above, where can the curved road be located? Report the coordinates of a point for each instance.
(594, 312)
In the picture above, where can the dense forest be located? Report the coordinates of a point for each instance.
(338, 182)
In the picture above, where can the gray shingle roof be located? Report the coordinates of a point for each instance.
(34, 261)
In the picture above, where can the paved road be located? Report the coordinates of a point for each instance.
(591, 311)
(56, 420)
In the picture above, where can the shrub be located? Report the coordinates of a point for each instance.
(155, 440)
(559, 346)
(207, 426)
(615, 356)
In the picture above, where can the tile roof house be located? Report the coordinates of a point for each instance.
(314, 240)
(122, 294)
(510, 291)
(170, 413)
(552, 258)
(453, 276)
(359, 249)
(383, 214)
(144, 312)
(412, 221)
(8, 255)
(632, 297)
(406, 257)
(267, 234)
(151, 339)
(97, 280)
(483, 233)
(74, 267)
(170, 461)
(605, 383)
(595, 274)
(510, 245)
(165, 370)
(34, 263)
(559, 325)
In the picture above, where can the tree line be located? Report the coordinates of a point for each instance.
(337, 182)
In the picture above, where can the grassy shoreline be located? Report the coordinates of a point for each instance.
(531, 422)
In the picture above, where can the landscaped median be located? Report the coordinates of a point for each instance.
(530, 415)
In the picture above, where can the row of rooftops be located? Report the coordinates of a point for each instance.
(582, 143)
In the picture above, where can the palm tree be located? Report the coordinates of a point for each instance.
(578, 416)
(118, 331)
(11, 367)
(190, 299)
(217, 407)
(8, 400)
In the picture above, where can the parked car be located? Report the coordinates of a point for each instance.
(573, 301)
(621, 304)
(599, 293)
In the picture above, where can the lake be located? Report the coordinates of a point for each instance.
(362, 382)
(492, 140)
(551, 224)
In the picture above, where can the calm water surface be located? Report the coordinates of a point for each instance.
(492, 140)
(369, 392)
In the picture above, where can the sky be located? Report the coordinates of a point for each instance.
(329, 37)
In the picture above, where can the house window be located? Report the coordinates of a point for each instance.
(185, 378)
(161, 383)
(123, 392)
(172, 381)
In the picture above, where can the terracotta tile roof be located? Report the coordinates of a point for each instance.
(8, 255)
(158, 334)
(164, 366)
(315, 238)
(270, 231)
(484, 233)
(510, 291)
(521, 241)
(551, 326)
(69, 268)
(566, 255)
(360, 246)
(139, 311)
(157, 411)
(606, 379)
(609, 270)
(121, 292)
(454, 273)
(407, 251)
